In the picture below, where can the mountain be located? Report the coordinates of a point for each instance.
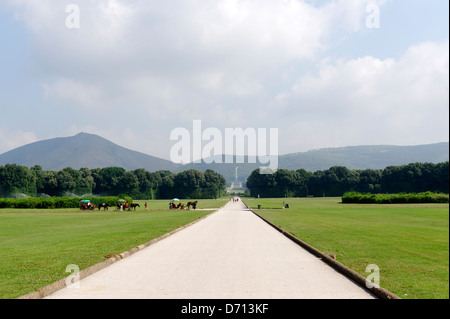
(92, 151)
(82, 150)
(365, 157)
(352, 157)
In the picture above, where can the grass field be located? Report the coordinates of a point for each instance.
(38, 245)
(408, 242)
(164, 204)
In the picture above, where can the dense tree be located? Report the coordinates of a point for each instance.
(166, 188)
(15, 179)
(146, 184)
(369, 180)
(128, 183)
(112, 181)
(39, 178)
(214, 184)
(415, 177)
(262, 185)
(107, 180)
(303, 177)
(280, 184)
(284, 182)
(86, 182)
(141, 184)
(50, 183)
(67, 180)
(441, 177)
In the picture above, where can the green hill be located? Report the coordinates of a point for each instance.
(353, 157)
(82, 150)
(92, 151)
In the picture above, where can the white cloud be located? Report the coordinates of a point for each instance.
(242, 41)
(350, 15)
(83, 94)
(368, 99)
(171, 59)
(245, 63)
(11, 139)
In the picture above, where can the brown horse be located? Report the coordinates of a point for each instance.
(134, 206)
(193, 204)
(104, 205)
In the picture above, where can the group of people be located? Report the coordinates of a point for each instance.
(127, 206)
(172, 205)
(87, 206)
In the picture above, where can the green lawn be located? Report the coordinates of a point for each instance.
(164, 204)
(38, 245)
(408, 242)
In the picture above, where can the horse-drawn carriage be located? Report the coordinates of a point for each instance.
(173, 204)
(123, 205)
(86, 204)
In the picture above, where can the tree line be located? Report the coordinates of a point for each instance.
(16, 180)
(426, 197)
(334, 182)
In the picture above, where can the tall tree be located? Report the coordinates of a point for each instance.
(15, 179)
(108, 180)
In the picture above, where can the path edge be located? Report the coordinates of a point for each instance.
(61, 284)
(346, 271)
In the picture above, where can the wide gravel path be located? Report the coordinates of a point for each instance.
(230, 254)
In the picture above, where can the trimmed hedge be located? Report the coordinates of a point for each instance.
(57, 202)
(415, 198)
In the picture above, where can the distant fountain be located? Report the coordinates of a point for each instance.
(19, 195)
(70, 194)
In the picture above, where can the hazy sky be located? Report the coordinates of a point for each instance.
(325, 73)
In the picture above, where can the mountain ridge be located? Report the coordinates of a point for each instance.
(79, 151)
(92, 151)
(352, 157)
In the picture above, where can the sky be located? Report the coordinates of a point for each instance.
(327, 73)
